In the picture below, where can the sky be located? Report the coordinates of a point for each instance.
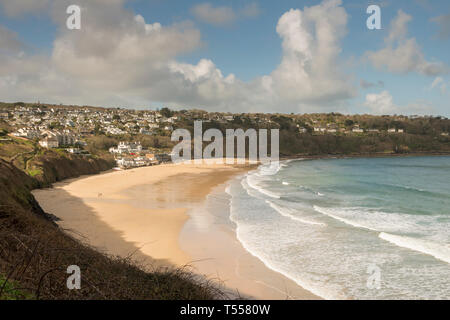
(229, 55)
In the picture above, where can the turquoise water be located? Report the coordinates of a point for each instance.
(334, 226)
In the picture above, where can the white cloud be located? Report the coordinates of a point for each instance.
(403, 55)
(436, 82)
(205, 12)
(118, 59)
(381, 103)
(440, 84)
(309, 69)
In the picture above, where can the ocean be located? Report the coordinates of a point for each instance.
(364, 228)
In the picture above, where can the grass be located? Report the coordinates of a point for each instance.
(34, 172)
(10, 290)
(61, 152)
(9, 149)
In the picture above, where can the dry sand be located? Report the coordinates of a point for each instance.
(143, 212)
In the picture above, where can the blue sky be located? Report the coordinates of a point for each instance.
(246, 44)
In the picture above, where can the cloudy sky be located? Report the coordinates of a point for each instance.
(229, 55)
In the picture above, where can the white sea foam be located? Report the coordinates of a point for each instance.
(332, 213)
(289, 213)
(285, 183)
(439, 251)
(376, 220)
(253, 184)
(269, 169)
(311, 286)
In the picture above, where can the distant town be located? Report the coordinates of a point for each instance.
(70, 128)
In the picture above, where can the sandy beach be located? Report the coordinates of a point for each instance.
(151, 213)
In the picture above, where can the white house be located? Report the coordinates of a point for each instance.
(4, 115)
(146, 132)
(28, 133)
(127, 147)
(49, 142)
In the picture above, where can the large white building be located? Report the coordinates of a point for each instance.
(49, 142)
(127, 147)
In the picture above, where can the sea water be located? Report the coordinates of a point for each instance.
(328, 224)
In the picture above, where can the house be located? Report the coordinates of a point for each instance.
(392, 130)
(114, 131)
(74, 150)
(4, 115)
(125, 162)
(28, 133)
(445, 134)
(146, 132)
(163, 157)
(357, 130)
(130, 125)
(49, 142)
(64, 138)
(320, 129)
(401, 131)
(127, 147)
(302, 130)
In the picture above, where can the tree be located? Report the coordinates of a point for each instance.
(166, 112)
(349, 123)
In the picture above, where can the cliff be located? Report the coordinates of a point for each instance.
(59, 167)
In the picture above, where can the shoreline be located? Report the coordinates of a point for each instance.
(220, 254)
(142, 213)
